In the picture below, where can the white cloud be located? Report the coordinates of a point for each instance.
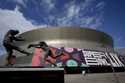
(21, 2)
(73, 10)
(89, 20)
(100, 5)
(13, 20)
(48, 4)
(72, 13)
(83, 14)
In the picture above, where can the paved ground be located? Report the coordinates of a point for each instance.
(80, 78)
(96, 78)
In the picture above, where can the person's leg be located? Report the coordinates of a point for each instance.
(9, 52)
(21, 50)
(8, 49)
(12, 60)
(45, 55)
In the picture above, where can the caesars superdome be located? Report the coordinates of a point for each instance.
(84, 47)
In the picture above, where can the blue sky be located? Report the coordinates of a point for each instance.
(104, 15)
(114, 23)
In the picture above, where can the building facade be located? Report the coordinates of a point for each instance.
(84, 47)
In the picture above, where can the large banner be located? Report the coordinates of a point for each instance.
(114, 60)
(74, 57)
(96, 58)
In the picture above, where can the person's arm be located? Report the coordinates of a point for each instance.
(18, 38)
(56, 52)
(33, 45)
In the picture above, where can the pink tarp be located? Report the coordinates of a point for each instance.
(38, 57)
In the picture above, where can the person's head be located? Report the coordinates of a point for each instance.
(14, 32)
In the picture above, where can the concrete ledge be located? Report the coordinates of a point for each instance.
(43, 75)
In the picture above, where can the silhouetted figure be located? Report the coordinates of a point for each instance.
(9, 38)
